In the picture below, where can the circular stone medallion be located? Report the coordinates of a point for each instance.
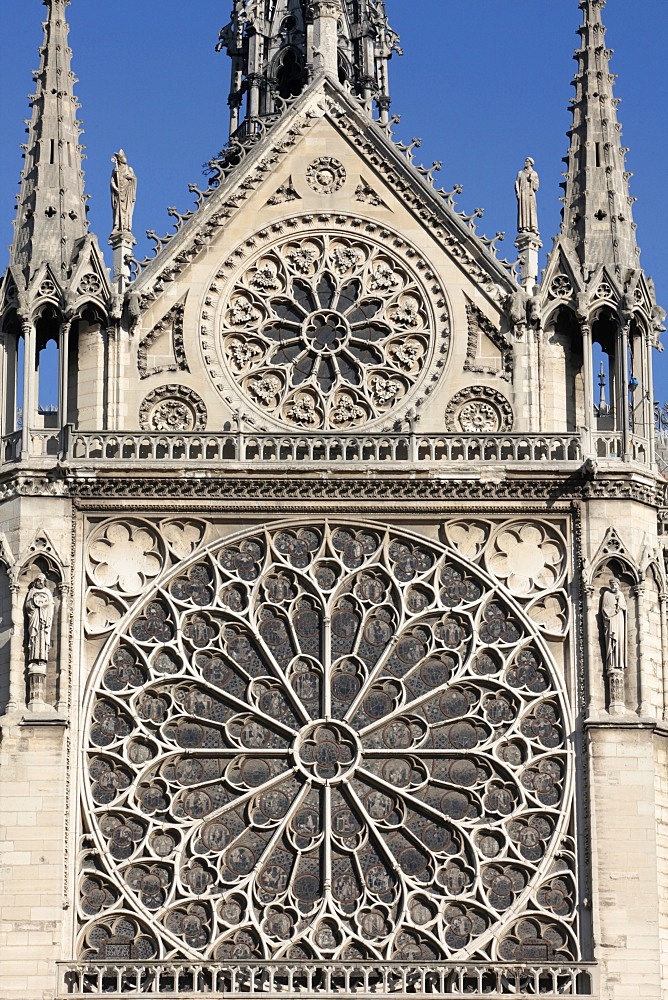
(327, 752)
(326, 175)
(172, 408)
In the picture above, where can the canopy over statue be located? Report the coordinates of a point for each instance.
(123, 193)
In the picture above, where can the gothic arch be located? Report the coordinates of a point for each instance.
(289, 72)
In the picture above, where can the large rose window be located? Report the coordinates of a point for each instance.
(328, 331)
(328, 741)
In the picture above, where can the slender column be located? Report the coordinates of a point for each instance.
(326, 14)
(648, 399)
(110, 415)
(3, 388)
(29, 402)
(16, 657)
(538, 403)
(235, 111)
(594, 677)
(63, 661)
(9, 377)
(254, 95)
(641, 624)
(63, 394)
(663, 601)
(623, 406)
(589, 444)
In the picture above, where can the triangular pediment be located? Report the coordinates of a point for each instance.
(604, 287)
(10, 295)
(45, 287)
(612, 547)
(90, 278)
(264, 165)
(42, 545)
(322, 218)
(562, 279)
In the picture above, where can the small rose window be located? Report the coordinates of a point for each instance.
(327, 332)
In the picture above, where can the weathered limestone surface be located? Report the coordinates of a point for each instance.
(359, 643)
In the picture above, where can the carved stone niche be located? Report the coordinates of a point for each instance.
(40, 598)
(614, 602)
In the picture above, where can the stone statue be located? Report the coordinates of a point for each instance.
(517, 304)
(39, 614)
(123, 193)
(526, 185)
(613, 612)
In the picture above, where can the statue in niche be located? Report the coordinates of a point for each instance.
(526, 186)
(613, 613)
(39, 608)
(123, 193)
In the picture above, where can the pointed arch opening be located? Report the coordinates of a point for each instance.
(562, 394)
(12, 380)
(47, 370)
(291, 77)
(607, 372)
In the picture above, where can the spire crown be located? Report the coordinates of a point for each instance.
(597, 216)
(277, 48)
(51, 217)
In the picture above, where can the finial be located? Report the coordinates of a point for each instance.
(597, 215)
(51, 218)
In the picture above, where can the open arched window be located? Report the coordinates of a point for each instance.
(291, 76)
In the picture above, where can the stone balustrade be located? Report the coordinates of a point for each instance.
(121, 979)
(92, 447)
(101, 447)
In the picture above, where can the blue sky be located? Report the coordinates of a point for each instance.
(483, 82)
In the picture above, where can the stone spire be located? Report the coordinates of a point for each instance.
(277, 48)
(597, 215)
(51, 219)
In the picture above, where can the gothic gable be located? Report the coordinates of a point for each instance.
(326, 238)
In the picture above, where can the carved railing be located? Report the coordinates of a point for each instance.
(92, 447)
(322, 979)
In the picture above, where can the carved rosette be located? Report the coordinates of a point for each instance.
(329, 330)
(479, 410)
(173, 408)
(324, 741)
(326, 175)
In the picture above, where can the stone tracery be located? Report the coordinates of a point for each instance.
(328, 331)
(328, 741)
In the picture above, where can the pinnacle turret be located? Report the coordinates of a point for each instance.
(276, 49)
(597, 215)
(51, 218)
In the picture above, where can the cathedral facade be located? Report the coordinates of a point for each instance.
(333, 638)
